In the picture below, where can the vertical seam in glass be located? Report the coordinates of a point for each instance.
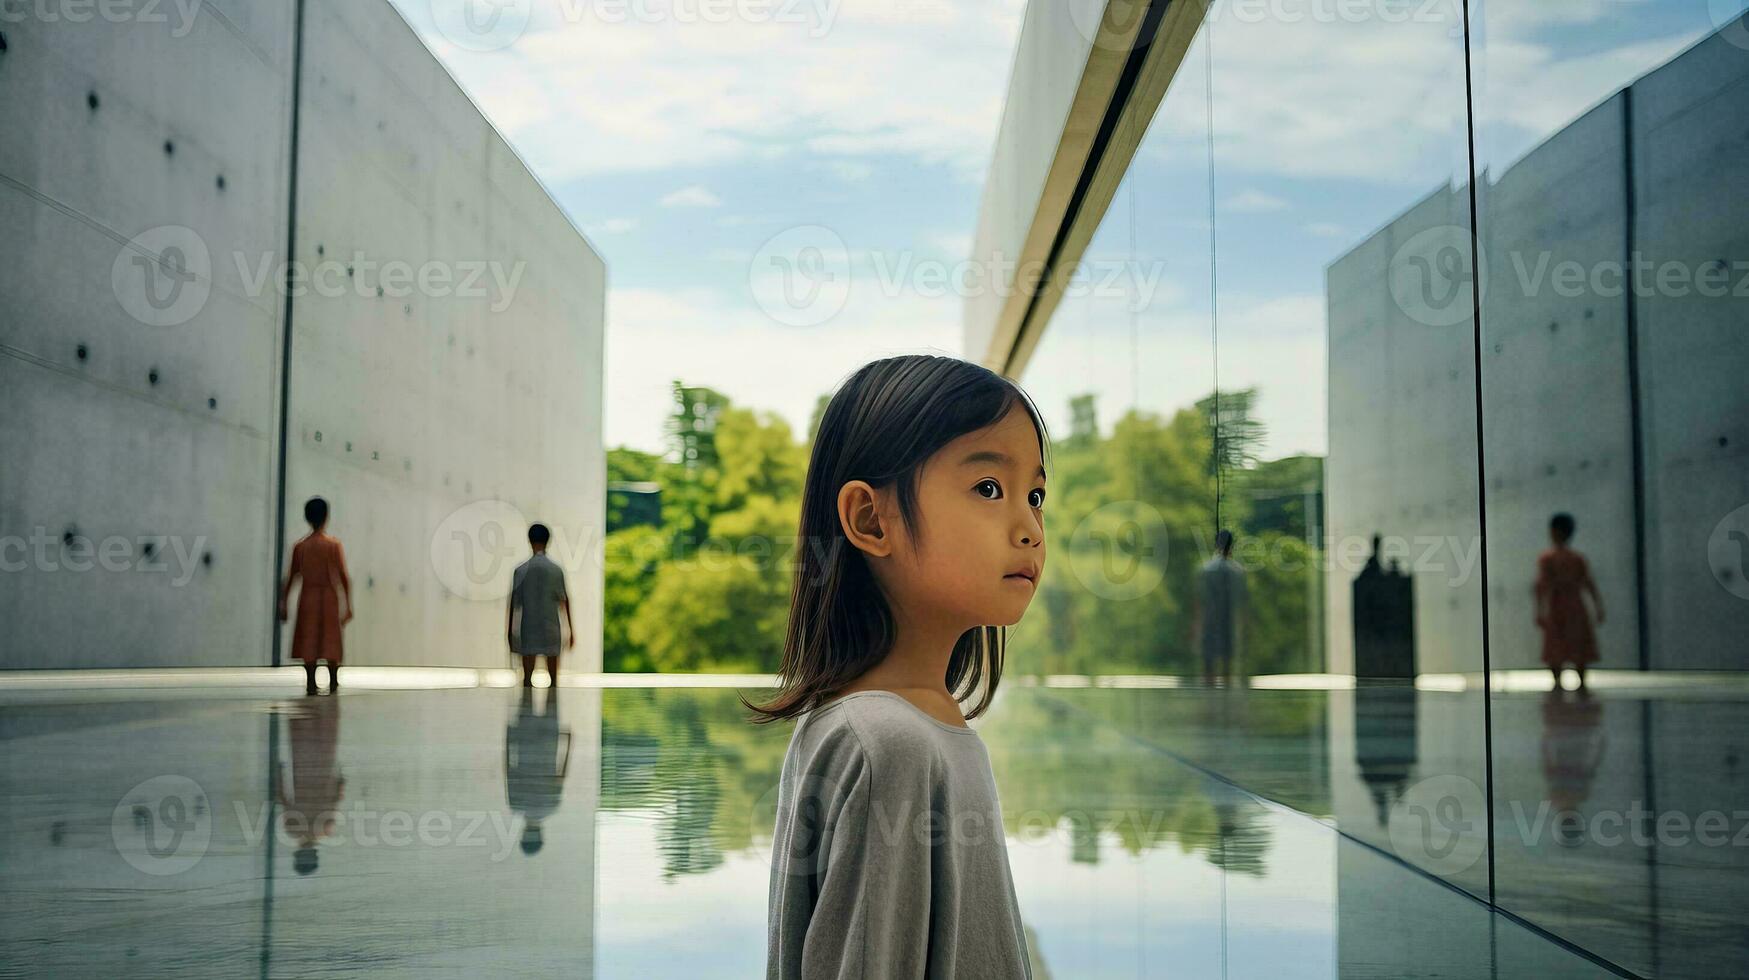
(1631, 328)
(1481, 459)
(1208, 91)
(1631, 325)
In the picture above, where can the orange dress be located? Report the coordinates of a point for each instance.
(1562, 578)
(322, 563)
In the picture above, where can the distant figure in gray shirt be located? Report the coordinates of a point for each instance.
(537, 595)
(1221, 599)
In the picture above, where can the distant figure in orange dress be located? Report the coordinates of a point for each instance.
(1562, 578)
(322, 563)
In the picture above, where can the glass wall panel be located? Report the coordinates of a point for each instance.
(1611, 168)
(1346, 408)
(1117, 374)
(1299, 353)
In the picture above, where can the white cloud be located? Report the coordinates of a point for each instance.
(612, 226)
(1324, 229)
(1276, 345)
(579, 95)
(1382, 101)
(849, 171)
(1255, 202)
(722, 340)
(695, 196)
(954, 244)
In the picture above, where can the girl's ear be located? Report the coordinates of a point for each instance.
(859, 515)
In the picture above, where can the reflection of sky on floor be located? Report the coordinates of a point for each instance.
(1128, 862)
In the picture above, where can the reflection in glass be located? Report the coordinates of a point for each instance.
(1615, 236)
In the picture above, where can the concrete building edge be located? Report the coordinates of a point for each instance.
(1073, 201)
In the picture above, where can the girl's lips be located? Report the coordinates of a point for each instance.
(1017, 578)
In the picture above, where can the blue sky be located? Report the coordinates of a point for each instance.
(682, 137)
(682, 145)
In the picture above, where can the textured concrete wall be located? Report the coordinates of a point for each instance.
(1691, 191)
(117, 134)
(151, 229)
(497, 385)
(1402, 418)
(1557, 419)
(1557, 391)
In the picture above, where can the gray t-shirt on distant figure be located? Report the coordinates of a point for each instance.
(1221, 582)
(888, 859)
(537, 588)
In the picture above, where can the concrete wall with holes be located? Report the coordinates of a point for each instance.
(1691, 172)
(144, 185)
(446, 380)
(1558, 381)
(138, 404)
(1402, 418)
(1556, 412)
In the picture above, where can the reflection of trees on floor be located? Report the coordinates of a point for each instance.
(1063, 771)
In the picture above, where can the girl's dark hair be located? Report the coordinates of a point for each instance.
(881, 426)
(315, 511)
(1562, 524)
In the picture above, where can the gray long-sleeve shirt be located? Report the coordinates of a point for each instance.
(888, 859)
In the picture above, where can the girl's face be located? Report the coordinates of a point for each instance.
(977, 556)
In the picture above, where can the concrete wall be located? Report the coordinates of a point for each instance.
(497, 385)
(455, 392)
(1559, 429)
(1402, 418)
(1691, 194)
(1558, 384)
(94, 446)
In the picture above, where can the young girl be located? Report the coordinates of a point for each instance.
(1562, 579)
(922, 537)
(322, 564)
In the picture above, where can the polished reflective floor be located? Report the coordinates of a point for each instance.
(623, 833)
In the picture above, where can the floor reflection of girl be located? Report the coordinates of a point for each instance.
(1573, 744)
(317, 784)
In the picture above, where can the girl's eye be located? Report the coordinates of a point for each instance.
(1041, 498)
(986, 483)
